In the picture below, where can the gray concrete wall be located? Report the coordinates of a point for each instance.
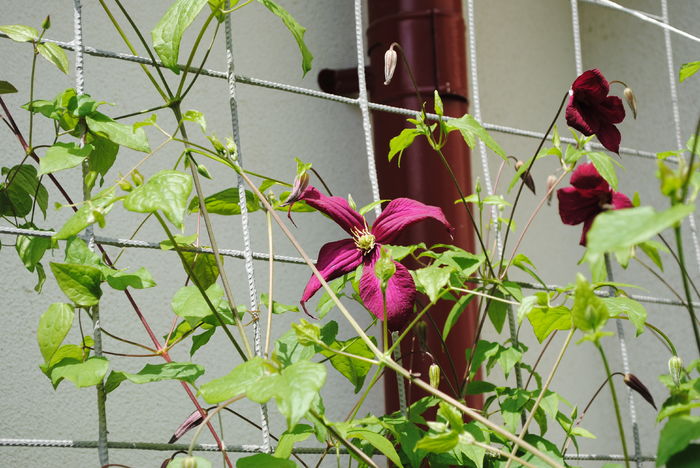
(525, 53)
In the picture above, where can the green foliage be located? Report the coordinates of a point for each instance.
(675, 437)
(80, 283)
(687, 70)
(403, 140)
(20, 187)
(589, 311)
(471, 129)
(237, 382)
(90, 212)
(226, 202)
(297, 32)
(20, 33)
(121, 134)
(189, 304)
(7, 88)
(165, 191)
(183, 371)
(63, 156)
(54, 54)
(81, 373)
(167, 34)
(263, 460)
(54, 325)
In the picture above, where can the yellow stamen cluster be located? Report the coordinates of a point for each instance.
(364, 240)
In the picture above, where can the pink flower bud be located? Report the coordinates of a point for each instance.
(551, 181)
(390, 60)
(631, 101)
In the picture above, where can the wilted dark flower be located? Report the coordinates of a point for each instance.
(588, 196)
(193, 420)
(635, 384)
(592, 111)
(363, 248)
(525, 176)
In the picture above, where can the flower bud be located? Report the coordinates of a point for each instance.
(434, 374)
(525, 176)
(385, 267)
(203, 171)
(137, 177)
(675, 368)
(421, 331)
(189, 462)
(125, 185)
(231, 147)
(551, 181)
(47, 23)
(390, 60)
(90, 179)
(635, 384)
(300, 183)
(193, 420)
(631, 101)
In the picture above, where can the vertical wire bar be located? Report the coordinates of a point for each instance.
(677, 114)
(247, 249)
(364, 106)
(102, 450)
(575, 26)
(476, 109)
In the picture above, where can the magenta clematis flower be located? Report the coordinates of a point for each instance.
(363, 248)
(588, 196)
(592, 111)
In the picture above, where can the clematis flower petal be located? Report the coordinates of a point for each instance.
(612, 110)
(401, 213)
(609, 136)
(586, 177)
(575, 207)
(591, 86)
(620, 201)
(586, 227)
(579, 118)
(336, 208)
(334, 260)
(400, 293)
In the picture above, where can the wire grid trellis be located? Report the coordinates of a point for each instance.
(102, 444)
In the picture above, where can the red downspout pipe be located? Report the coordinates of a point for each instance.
(432, 35)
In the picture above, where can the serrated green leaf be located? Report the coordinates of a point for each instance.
(80, 283)
(20, 33)
(54, 54)
(166, 191)
(121, 134)
(471, 129)
(63, 156)
(6, 87)
(83, 374)
(54, 325)
(236, 382)
(167, 34)
(297, 31)
(687, 70)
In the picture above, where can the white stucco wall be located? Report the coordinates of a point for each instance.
(525, 53)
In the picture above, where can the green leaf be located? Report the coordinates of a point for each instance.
(687, 70)
(20, 33)
(589, 312)
(80, 283)
(432, 279)
(167, 34)
(6, 87)
(121, 134)
(298, 433)
(63, 156)
(236, 382)
(470, 129)
(83, 374)
(438, 443)
(288, 350)
(377, 441)
(183, 371)
(403, 140)
(545, 320)
(629, 307)
(16, 198)
(226, 202)
(263, 460)
(189, 304)
(140, 279)
(31, 249)
(620, 229)
(294, 389)
(676, 435)
(297, 31)
(103, 155)
(90, 211)
(196, 117)
(203, 266)
(603, 163)
(688, 458)
(498, 311)
(166, 191)
(54, 325)
(179, 462)
(184, 241)
(455, 313)
(200, 340)
(353, 369)
(277, 308)
(54, 54)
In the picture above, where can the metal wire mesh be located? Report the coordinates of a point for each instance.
(365, 105)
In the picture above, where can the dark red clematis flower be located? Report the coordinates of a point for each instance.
(592, 111)
(588, 196)
(363, 248)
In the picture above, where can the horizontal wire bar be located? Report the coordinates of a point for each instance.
(328, 96)
(649, 18)
(132, 243)
(89, 444)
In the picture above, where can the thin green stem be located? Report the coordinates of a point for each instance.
(362, 456)
(544, 389)
(200, 35)
(686, 285)
(271, 276)
(385, 321)
(372, 382)
(198, 285)
(204, 61)
(616, 404)
(150, 109)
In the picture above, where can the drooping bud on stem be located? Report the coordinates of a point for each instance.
(193, 420)
(631, 101)
(46, 24)
(675, 368)
(635, 384)
(525, 176)
(390, 60)
(385, 267)
(137, 177)
(434, 374)
(551, 181)
(298, 187)
(125, 185)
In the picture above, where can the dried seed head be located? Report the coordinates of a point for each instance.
(635, 384)
(551, 181)
(631, 101)
(525, 176)
(434, 374)
(675, 368)
(390, 60)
